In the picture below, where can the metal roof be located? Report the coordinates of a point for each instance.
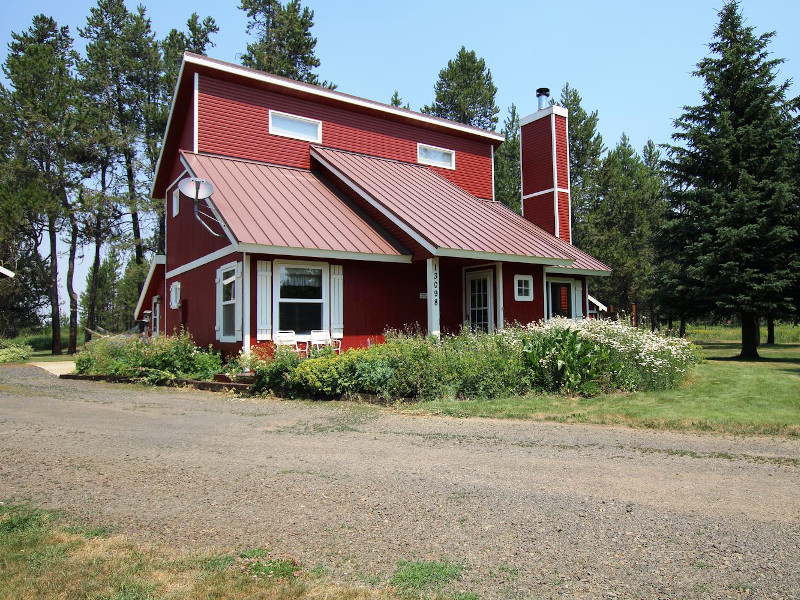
(444, 218)
(286, 208)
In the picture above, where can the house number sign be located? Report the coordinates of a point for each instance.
(436, 283)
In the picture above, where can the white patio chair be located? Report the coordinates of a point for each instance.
(321, 338)
(289, 338)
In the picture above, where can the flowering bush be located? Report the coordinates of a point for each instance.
(150, 359)
(586, 357)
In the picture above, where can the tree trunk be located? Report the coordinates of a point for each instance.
(682, 330)
(55, 315)
(73, 296)
(91, 310)
(138, 248)
(749, 336)
(770, 329)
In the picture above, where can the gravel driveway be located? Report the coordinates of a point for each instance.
(530, 510)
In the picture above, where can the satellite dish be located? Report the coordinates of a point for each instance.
(196, 189)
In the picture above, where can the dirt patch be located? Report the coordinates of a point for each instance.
(527, 509)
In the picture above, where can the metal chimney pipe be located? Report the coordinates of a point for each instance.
(543, 95)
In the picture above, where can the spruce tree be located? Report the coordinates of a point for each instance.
(734, 205)
(465, 92)
(507, 187)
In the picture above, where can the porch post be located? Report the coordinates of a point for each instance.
(433, 288)
(499, 286)
(246, 302)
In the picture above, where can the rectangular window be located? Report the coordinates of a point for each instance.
(292, 126)
(437, 157)
(229, 303)
(301, 295)
(176, 202)
(523, 288)
(175, 294)
(156, 316)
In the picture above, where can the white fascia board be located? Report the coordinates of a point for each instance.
(337, 96)
(210, 203)
(377, 205)
(203, 260)
(6, 272)
(554, 109)
(596, 302)
(166, 130)
(158, 259)
(328, 254)
(567, 271)
(498, 256)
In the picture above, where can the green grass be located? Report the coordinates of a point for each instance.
(785, 333)
(416, 579)
(43, 556)
(722, 394)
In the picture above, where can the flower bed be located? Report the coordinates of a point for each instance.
(563, 356)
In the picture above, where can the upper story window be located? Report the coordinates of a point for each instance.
(437, 157)
(292, 126)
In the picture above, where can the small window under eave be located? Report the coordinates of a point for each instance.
(292, 126)
(436, 157)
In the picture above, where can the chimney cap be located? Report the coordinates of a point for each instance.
(543, 92)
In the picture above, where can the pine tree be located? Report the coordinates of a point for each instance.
(585, 157)
(465, 92)
(284, 45)
(733, 223)
(396, 100)
(507, 186)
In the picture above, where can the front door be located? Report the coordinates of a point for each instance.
(479, 302)
(560, 299)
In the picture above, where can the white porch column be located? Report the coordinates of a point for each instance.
(433, 288)
(499, 287)
(246, 302)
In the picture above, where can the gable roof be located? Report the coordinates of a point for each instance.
(285, 210)
(183, 99)
(445, 219)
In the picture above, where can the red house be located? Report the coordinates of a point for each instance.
(338, 213)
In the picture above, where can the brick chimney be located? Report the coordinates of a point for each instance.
(545, 168)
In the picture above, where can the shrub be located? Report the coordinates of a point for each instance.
(12, 352)
(271, 371)
(150, 359)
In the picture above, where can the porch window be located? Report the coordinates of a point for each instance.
(523, 288)
(229, 298)
(437, 157)
(292, 126)
(301, 294)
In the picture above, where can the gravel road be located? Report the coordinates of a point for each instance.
(530, 510)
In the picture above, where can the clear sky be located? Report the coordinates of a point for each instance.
(630, 60)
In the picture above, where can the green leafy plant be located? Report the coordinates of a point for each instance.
(11, 352)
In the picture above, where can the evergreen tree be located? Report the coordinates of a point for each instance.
(733, 224)
(284, 45)
(507, 185)
(105, 284)
(585, 157)
(465, 92)
(40, 112)
(398, 101)
(620, 225)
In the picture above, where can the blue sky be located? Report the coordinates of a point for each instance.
(630, 60)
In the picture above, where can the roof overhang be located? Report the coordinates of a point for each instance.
(569, 271)
(158, 259)
(600, 306)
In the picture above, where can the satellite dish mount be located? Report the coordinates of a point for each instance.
(199, 189)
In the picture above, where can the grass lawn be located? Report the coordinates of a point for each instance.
(722, 394)
(43, 555)
(47, 356)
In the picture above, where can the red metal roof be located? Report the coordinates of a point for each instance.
(283, 207)
(444, 218)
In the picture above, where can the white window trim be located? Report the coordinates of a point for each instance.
(237, 291)
(176, 202)
(517, 296)
(175, 294)
(276, 293)
(577, 311)
(476, 274)
(316, 140)
(431, 163)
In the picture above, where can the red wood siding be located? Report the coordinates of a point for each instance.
(187, 239)
(522, 312)
(234, 121)
(562, 151)
(539, 210)
(537, 156)
(564, 224)
(156, 288)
